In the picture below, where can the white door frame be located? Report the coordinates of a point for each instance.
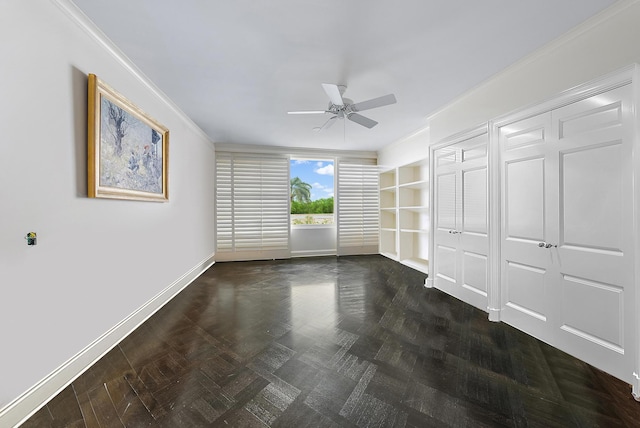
(477, 131)
(627, 75)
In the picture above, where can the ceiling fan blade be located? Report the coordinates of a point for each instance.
(327, 124)
(364, 121)
(333, 92)
(374, 103)
(307, 112)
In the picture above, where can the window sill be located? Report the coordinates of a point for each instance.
(313, 226)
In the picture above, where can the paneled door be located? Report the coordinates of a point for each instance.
(567, 242)
(461, 219)
(528, 165)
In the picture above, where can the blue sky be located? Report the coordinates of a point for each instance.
(318, 173)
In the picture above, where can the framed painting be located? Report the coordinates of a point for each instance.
(127, 149)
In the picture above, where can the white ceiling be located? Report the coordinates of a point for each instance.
(237, 66)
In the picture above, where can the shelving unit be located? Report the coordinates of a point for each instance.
(404, 214)
(388, 215)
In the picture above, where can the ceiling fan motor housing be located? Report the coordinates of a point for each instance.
(342, 107)
(342, 110)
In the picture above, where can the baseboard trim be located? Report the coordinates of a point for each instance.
(494, 315)
(23, 407)
(313, 253)
(635, 387)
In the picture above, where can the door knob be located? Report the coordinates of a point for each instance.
(549, 246)
(542, 244)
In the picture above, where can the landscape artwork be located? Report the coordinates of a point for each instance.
(127, 149)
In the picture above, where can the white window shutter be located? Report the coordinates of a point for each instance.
(358, 204)
(252, 206)
(224, 202)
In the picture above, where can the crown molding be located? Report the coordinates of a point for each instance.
(295, 151)
(77, 16)
(598, 19)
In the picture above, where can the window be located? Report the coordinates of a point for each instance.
(256, 217)
(311, 192)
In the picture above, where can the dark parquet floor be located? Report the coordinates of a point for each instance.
(333, 342)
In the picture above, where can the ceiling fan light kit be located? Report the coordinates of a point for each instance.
(341, 107)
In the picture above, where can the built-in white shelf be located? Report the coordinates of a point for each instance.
(388, 179)
(418, 209)
(422, 184)
(404, 214)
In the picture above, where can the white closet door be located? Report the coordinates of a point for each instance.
(474, 216)
(567, 185)
(595, 247)
(446, 162)
(527, 222)
(461, 220)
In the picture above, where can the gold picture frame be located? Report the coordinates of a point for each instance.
(127, 149)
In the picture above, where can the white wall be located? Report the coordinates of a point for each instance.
(603, 44)
(607, 42)
(410, 149)
(313, 241)
(97, 260)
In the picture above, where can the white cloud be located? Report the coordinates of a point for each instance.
(326, 191)
(319, 186)
(299, 161)
(325, 170)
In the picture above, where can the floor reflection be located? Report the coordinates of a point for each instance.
(314, 304)
(332, 342)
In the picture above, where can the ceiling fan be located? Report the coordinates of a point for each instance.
(340, 107)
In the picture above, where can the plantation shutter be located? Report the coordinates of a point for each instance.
(357, 206)
(224, 203)
(252, 206)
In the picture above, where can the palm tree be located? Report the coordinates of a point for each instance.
(300, 191)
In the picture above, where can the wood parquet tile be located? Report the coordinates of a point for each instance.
(332, 342)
